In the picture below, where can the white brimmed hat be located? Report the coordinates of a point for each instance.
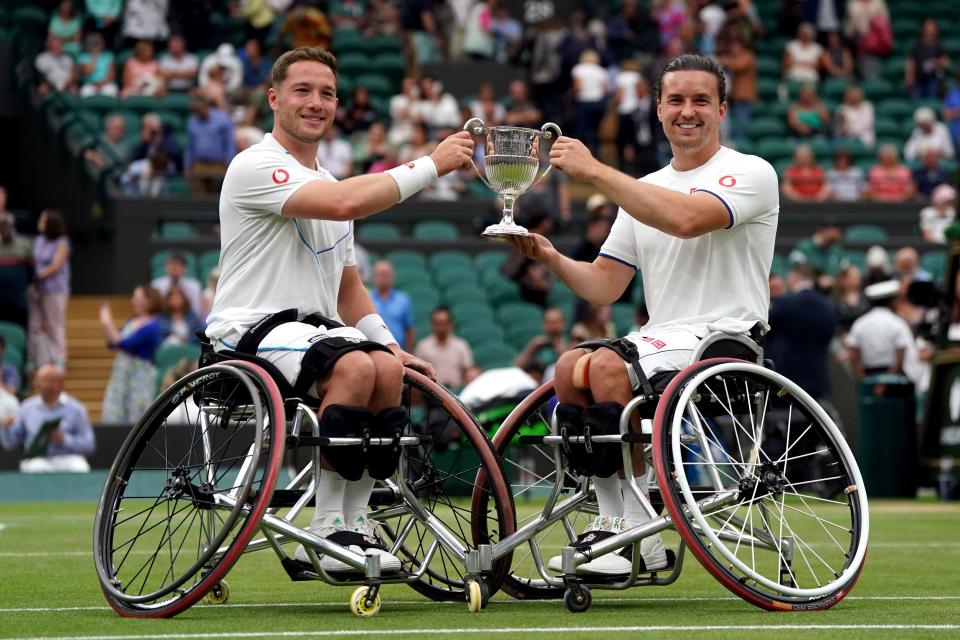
(882, 290)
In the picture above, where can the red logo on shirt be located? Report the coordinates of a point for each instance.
(409, 165)
(280, 176)
(728, 181)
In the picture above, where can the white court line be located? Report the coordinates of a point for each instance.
(508, 630)
(283, 605)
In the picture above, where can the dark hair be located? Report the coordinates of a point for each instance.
(316, 54)
(55, 226)
(441, 309)
(693, 62)
(154, 298)
(174, 290)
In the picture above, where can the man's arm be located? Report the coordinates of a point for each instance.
(361, 196)
(675, 213)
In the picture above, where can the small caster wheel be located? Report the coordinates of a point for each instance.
(478, 595)
(577, 600)
(361, 607)
(218, 594)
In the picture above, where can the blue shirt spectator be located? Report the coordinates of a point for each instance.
(951, 112)
(50, 424)
(256, 68)
(394, 306)
(209, 136)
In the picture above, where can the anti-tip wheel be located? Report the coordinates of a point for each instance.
(477, 596)
(577, 600)
(218, 594)
(359, 606)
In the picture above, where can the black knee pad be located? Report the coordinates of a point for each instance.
(382, 460)
(603, 419)
(339, 421)
(570, 423)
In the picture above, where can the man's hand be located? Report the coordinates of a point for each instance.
(535, 247)
(56, 436)
(573, 158)
(454, 152)
(412, 362)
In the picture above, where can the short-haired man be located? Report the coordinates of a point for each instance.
(701, 232)
(450, 356)
(287, 243)
(52, 428)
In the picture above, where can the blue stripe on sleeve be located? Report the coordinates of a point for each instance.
(718, 197)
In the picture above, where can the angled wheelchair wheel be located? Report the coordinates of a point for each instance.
(188, 489)
(442, 475)
(532, 474)
(761, 485)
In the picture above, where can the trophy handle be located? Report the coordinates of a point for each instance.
(476, 128)
(549, 133)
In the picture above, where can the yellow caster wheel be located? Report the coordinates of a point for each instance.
(474, 597)
(218, 594)
(359, 605)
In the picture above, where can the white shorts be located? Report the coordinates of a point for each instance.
(668, 349)
(285, 346)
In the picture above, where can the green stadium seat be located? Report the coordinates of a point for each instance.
(376, 84)
(934, 262)
(761, 128)
(897, 109)
(833, 88)
(174, 120)
(886, 127)
(373, 231)
(101, 104)
(422, 295)
(347, 41)
(876, 89)
(30, 18)
(14, 334)
(140, 104)
(209, 260)
(176, 230)
(502, 292)
(518, 312)
(472, 311)
(775, 149)
(174, 101)
(489, 259)
(435, 230)
(383, 44)
(159, 260)
(768, 89)
(14, 356)
(480, 334)
(353, 63)
(455, 296)
(865, 233)
(411, 274)
(769, 66)
(622, 317)
(455, 277)
(442, 259)
(493, 356)
(780, 265)
(389, 63)
(893, 69)
(821, 148)
(406, 256)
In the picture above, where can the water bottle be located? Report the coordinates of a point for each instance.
(945, 477)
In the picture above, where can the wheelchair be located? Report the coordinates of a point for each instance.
(196, 485)
(745, 466)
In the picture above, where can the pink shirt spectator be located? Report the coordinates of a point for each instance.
(890, 184)
(451, 360)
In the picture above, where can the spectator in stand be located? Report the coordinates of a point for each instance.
(65, 24)
(853, 119)
(145, 20)
(478, 41)
(846, 181)
(590, 85)
(889, 180)
(808, 116)
(180, 324)
(450, 356)
(259, 15)
(906, 266)
(547, 347)
(141, 72)
(599, 218)
(928, 135)
(710, 20)
(868, 26)
(848, 298)
(133, 379)
(878, 340)
(225, 57)
(256, 68)
(521, 111)
(821, 251)
(925, 71)
(347, 14)
(372, 147)
(626, 97)
(741, 63)
(56, 69)
(357, 115)
(801, 57)
(210, 146)
(52, 428)
(437, 108)
(50, 292)
(877, 266)
(175, 274)
(147, 176)
(507, 34)
(394, 306)
(630, 32)
(486, 106)
(930, 174)
(110, 147)
(836, 60)
(307, 26)
(104, 16)
(419, 145)
(671, 19)
(9, 375)
(643, 156)
(179, 67)
(674, 48)
(16, 260)
(335, 154)
(951, 110)
(805, 180)
(154, 136)
(596, 321)
(940, 214)
(97, 71)
(403, 112)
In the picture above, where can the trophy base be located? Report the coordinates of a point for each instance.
(500, 230)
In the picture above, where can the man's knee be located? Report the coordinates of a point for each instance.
(606, 368)
(389, 371)
(355, 371)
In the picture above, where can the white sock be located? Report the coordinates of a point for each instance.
(329, 508)
(609, 498)
(356, 499)
(632, 509)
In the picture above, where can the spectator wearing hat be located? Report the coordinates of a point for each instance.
(889, 180)
(847, 181)
(805, 180)
(928, 135)
(226, 59)
(930, 174)
(934, 219)
(877, 265)
(926, 67)
(879, 339)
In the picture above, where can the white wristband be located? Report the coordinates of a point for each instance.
(375, 329)
(414, 176)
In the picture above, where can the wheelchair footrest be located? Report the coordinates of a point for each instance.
(300, 571)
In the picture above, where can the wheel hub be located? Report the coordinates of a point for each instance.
(179, 487)
(768, 481)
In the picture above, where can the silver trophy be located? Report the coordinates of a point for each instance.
(511, 158)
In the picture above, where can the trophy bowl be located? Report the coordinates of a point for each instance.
(511, 159)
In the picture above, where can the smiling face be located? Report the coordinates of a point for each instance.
(690, 109)
(305, 103)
